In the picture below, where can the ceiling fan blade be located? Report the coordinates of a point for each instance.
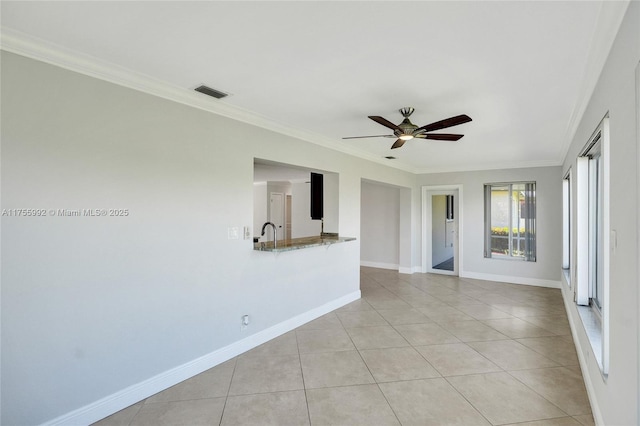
(398, 144)
(384, 122)
(375, 136)
(440, 136)
(443, 124)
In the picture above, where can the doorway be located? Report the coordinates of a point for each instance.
(287, 218)
(276, 212)
(441, 229)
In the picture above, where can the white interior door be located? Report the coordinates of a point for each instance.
(276, 213)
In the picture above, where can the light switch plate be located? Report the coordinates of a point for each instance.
(247, 232)
(233, 233)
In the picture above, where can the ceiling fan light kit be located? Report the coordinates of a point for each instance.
(407, 130)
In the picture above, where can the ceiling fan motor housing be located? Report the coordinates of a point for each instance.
(407, 127)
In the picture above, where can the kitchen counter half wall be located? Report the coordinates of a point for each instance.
(301, 243)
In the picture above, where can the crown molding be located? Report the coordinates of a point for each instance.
(609, 21)
(493, 166)
(13, 41)
(41, 50)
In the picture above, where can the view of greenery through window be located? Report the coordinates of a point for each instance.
(510, 219)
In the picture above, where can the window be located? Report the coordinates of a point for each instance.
(591, 191)
(449, 211)
(510, 221)
(592, 242)
(596, 209)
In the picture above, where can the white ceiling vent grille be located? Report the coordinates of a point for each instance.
(211, 92)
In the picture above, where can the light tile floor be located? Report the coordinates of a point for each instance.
(417, 349)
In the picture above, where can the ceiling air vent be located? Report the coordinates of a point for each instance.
(390, 158)
(211, 92)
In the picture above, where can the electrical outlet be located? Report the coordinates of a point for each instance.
(247, 232)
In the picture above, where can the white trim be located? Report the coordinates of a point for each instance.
(638, 212)
(115, 402)
(581, 253)
(426, 228)
(511, 280)
(583, 230)
(494, 166)
(609, 21)
(392, 266)
(41, 50)
(606, 243)
(381, 265)
(566, 214)
(35, 48)
(588, 382)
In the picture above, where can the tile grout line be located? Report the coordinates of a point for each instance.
(536, 392)
(504, 370)
(468, 402)
(441, 375)
(137, 411)
(371, 373)
(304, 385)
(226, 397)
(369, 369)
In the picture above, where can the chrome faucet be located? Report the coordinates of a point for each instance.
(275, 232)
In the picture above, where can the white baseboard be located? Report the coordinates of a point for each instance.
(405, 270)
(410, 270)
(115, 402)
(393, 266)
(512, 280)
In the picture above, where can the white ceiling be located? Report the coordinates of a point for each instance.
(521, 70)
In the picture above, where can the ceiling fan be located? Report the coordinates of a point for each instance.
(407, 130)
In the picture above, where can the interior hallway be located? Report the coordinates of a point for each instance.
(417, 349)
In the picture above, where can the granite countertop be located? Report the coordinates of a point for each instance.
(301, 243)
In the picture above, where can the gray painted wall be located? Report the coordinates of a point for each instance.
(380, 225)
(94, 305)
(546, 270)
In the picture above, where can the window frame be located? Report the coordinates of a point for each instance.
(593, 241)
(530, 254)
(567, 223)
(567, 213)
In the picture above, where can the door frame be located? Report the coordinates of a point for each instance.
(282, 225)
(638, 212)
(427, 229)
